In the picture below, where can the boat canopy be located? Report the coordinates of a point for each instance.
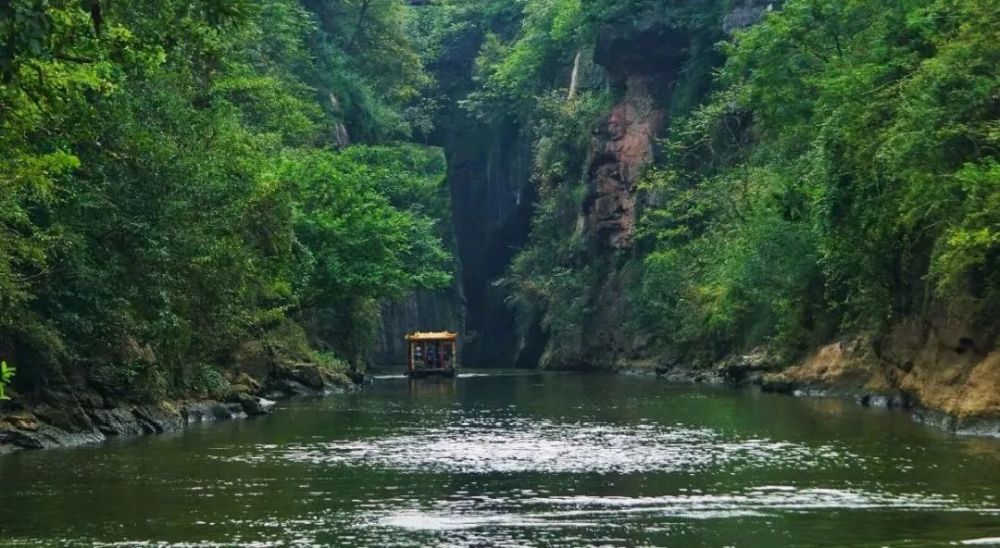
(433, 336)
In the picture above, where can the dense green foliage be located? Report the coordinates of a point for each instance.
(6, 374)
(551, 279)
(177, 180)
(520, 73)
(844, 176)
(170, 186)
(554, 280)
(838, 173)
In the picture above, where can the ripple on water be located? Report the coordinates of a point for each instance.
(513, 520)
(613, 511)
(491, 445)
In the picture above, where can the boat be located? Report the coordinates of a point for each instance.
(432, 353)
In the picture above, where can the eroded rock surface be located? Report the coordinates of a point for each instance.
(642, 64)
(621, 150)
(65, 417)
(939, 367)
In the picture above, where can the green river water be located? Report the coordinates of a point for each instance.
(519, 459)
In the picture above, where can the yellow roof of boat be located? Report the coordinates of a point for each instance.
(432, 336)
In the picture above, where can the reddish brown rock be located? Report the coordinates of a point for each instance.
(620, 151)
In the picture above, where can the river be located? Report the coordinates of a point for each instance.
(519, 459)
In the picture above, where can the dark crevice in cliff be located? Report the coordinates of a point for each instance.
(492, 206)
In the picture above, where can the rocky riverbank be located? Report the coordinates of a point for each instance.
(961, 396)
(70, 416)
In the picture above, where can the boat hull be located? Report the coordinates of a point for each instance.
(424, 373)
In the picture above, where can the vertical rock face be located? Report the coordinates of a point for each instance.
(338, 135)
(492, 204)
(421, 311)
(493, 200)
(745, 13)
(622, 147)
(641, 64)
(642, 61)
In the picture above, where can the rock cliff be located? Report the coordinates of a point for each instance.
(421, 311)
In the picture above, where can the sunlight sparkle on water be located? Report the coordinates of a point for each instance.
(488, 445)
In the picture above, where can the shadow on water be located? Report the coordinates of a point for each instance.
(519, 458)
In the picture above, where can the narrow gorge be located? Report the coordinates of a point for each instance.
(505, 273)
(794, 195)
(604, 215)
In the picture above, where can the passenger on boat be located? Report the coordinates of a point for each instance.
(432, 355)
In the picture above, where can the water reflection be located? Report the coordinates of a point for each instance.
(519, 460)
(435, 387)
